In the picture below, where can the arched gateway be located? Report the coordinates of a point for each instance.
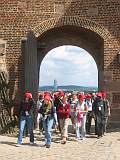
(64, 31)
(30, 29)
(68, 31)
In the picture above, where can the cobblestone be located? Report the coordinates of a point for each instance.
(106, 148)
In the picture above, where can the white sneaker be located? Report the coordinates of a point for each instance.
(18, 145)
(31, 143)
(77, 139)
(83, 138)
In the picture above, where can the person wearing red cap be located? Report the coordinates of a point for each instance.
(107, 111)
(81, 111)
(61, 93)
(48, 112)
(58, 97)
(99, 112)
(89, 116)
(73, 104)
(63, 113)
(26, 114)
(39, 116)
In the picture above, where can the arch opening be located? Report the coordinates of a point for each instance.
(80, 37)
(71, 67)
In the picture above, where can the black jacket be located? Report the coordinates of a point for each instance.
(98, 107)
(27, 106)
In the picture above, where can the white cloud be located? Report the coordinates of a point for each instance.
(69, 65)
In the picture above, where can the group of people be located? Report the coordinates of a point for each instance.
(56, 109)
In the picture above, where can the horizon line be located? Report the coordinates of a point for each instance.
(67, 85)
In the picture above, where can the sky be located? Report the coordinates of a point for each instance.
(69, 65)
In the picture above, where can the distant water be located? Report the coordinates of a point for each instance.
(69, 88)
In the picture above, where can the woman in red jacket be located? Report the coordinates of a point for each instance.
(63, 115)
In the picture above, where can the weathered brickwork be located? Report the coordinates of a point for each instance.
(98, 21)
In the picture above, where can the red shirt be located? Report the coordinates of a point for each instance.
(63, 111)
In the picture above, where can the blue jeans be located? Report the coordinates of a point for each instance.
(23, 121)
(81, 131)
(47, 125)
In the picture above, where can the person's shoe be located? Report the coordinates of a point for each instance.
(64, 139)
(32, 143)
(18, 145)
(105, 134)
(63, 142)
(44, 145)
(77, 139)
(83, 138)
(47, 145)
(99, 137)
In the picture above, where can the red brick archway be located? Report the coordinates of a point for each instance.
(100, 35)
(72, 21)
(72, 30)
(72, 35)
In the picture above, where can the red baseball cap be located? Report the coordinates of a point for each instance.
(88, 96)
(28, 95)
(47, 97)
(81, 97)
(61, 93)
(99, 94)
(104, 95)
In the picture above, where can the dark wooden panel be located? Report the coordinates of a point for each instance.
(31, 74)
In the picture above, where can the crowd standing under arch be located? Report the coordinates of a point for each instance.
(54, 109)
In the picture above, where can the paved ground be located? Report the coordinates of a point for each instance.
(106, 148)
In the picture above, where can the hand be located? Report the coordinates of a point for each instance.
(45, 117)
(56, 126)
(12, 118)
(94, 117)
(83, 112)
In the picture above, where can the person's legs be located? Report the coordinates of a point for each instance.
(38, 121)
(65, 128)
(21, 129)
(99, 126)
(73, 118)
(61, 125)
(41, 125)
(105, 124)
(83, 126)
(96, 126)
(49, 129)
(45, 129)
(30, 128)
(78, 130)
(88, 122)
